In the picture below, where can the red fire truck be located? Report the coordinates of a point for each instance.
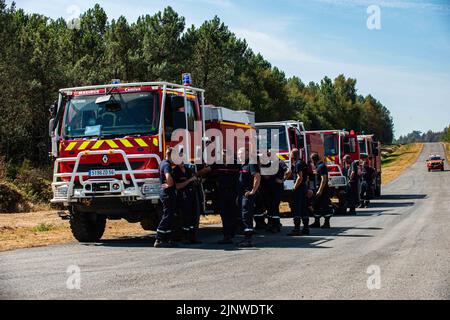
(290, 134)
(332, 146)
(371, 148)
(108, 142)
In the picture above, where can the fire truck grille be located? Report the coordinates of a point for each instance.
(116, 166)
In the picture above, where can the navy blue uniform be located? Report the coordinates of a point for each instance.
(353, 185)
(299, 200)
(368, 176)
(186, 201)
(269, 194)
(227, 193)
(168, 200)
(247, 204)
(322, 203)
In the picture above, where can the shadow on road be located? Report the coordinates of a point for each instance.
(211, 234)
(403, 196)
(391, 204)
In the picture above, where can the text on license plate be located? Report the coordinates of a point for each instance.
(102, 172)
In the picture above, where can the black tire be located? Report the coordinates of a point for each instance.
(87, 227)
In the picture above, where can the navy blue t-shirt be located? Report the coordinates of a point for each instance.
(179, 176)
(301, 166)
(227, 175)
(164, 168)
(321, 170)
(246, 174)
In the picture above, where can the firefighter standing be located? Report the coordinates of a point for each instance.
(185, 181)
(322, 201)
(167, 196)
(249, 180)
(368, 177)
(227, 176)
(274, 186)
(351, 171)
(299, 195)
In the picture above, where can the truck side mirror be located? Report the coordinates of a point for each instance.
(51, 123)
(53, 109)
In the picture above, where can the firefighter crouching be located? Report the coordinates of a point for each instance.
(322, 201)
(167, 196)
(185, 180)
(249, 180)
(351, 171)
(299, 195)
(367, 182)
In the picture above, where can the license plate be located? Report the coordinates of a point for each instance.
(102, 173)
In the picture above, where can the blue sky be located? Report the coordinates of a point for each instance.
(405, 64)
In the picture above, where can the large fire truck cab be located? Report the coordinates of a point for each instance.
(332, 146)
(289, 134)
(108, 142)
(371, 149)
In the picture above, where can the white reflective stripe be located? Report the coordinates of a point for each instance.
(162, 231)
(258, 215)
(275, 217)
(186, 229)
(248, 230)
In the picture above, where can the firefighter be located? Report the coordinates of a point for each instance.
(167, 196)
(185, 181)
(273, 185)
(367, 182)
(227, 183)
(322, 201)
(351, 171)
(299, 195)
(262, 202)
(249, 181)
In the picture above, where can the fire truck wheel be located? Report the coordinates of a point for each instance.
(87, 227)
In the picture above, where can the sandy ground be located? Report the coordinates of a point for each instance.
(42, 228)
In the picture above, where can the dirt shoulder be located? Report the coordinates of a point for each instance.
(396, 159)
(42, 228)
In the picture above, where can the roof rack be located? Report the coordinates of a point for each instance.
(171, 86)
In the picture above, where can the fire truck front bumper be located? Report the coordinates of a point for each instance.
(106, 188)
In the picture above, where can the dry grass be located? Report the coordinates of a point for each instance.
(396, 160)
(447, 151)
(42, 228)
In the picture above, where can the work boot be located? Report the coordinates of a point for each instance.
(305, 230)
(193, 237)
(186, 237)
(353, 211)
(326, 224)
(316, 223)
(260, 225)
(275, 226)
(362, 205)
(164, 244)
(367, 203)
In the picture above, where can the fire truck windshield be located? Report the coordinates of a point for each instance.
(123, 114)
(330, 143)
(279, 133)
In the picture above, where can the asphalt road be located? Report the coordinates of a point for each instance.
(403, 241)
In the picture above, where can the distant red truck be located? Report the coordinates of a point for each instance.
(435, 162)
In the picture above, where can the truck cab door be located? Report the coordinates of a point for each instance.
(180, 114)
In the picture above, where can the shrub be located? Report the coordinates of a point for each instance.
(12, 199)
(43, 227)
(35, 183)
